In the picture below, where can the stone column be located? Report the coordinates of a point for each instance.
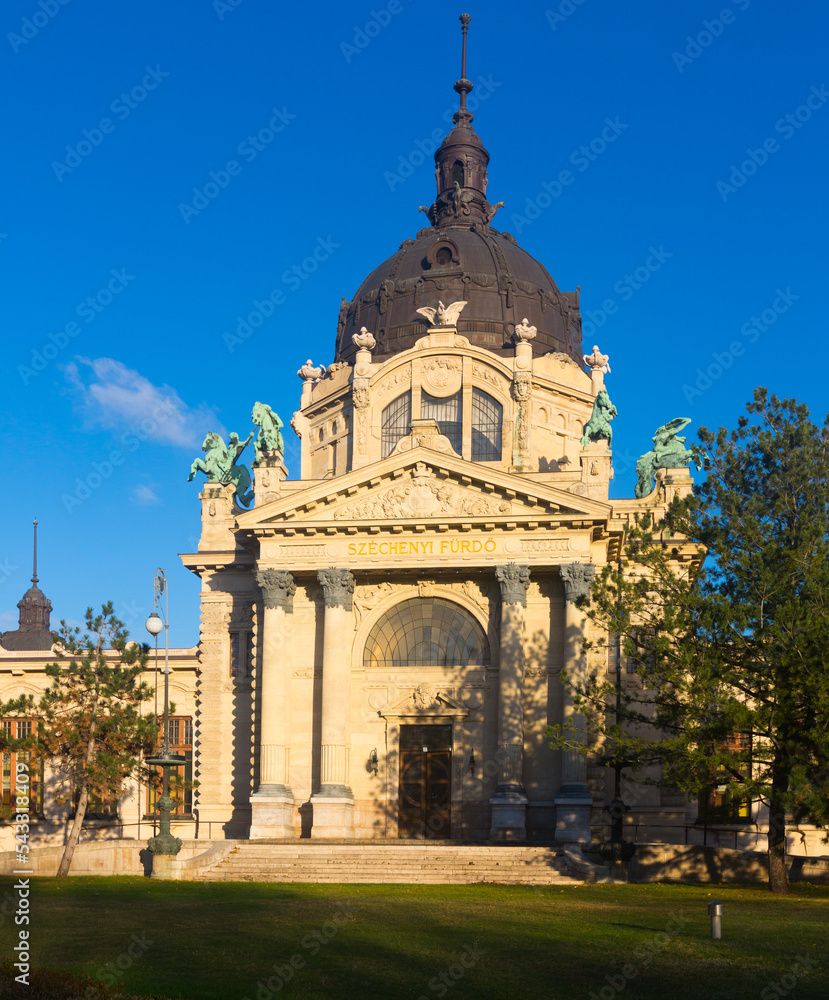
(272, 804)
(333, 805)
(574, 802)
(509, 803)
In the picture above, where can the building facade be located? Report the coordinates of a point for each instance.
(382, 638)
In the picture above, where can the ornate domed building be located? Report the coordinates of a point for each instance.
(382, 638)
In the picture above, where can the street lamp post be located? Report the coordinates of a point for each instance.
(164, 842)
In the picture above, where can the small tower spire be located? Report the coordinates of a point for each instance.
(463, 86)
(34, 562)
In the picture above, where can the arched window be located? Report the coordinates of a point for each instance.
(395, 422)
(426, 631)
(447, 412)
(487, 418)
(457, 172)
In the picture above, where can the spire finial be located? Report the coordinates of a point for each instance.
(34, 563)
(463, 86)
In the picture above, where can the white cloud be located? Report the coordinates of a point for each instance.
(144, 496)
(114, 396)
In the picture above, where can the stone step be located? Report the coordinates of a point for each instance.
(391, 863)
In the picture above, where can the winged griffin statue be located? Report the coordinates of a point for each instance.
(445, 315)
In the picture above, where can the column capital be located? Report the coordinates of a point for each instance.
(577, 578)
(514, 580)
(337, 587)
(278, 588)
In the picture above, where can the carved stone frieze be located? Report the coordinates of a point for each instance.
(337, 587)
(422, 494)
(278, 588)
(401, 377)
(577, 578)
(442, 376)
(514, 580)
(367, 597)
(485, 374)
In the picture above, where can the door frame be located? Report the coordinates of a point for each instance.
(423, 707)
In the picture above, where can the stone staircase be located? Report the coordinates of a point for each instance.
(406, 862)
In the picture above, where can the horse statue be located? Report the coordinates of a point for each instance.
(669, 452)
(598, 426)
(220, 464)
(269, 438)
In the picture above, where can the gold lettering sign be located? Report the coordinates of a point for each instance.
(418, 547)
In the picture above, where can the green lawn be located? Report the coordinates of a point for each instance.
(220, 941)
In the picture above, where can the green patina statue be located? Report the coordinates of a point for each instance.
(669, 452)
(598, 426)
(269, 440)
(220, 464)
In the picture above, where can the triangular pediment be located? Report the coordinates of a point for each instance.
(423, 485)
(426, 701)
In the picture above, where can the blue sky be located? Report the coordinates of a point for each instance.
(694, 222)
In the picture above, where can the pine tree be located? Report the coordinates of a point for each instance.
(724, 610)
(90, 725)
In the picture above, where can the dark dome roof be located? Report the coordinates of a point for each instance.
(461, 257)
(501, 283)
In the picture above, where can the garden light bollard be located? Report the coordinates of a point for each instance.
(715, 913)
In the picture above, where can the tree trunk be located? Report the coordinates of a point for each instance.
(74, 833)
(80, 812)
(778, 879)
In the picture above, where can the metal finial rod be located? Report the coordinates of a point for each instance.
(34, 561)
(464, 19)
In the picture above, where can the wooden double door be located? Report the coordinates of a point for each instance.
(425, 782)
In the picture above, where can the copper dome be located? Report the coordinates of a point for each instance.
(501, 283)
(461, 257)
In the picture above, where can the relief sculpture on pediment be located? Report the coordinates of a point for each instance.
(423, 495)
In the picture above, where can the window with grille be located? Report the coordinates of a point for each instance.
(10, 785)
(487, 421)
(179, 741)
(426, 631)
(241, 654)
(395, 422)
(720, 802)
(447, 413)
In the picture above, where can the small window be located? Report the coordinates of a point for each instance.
(447, 412)
(457, 173)
(444, 256)
(10, 777)
(241, 654)
(179, 741)
(720, 803)
(487, 420)
(395, 422)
